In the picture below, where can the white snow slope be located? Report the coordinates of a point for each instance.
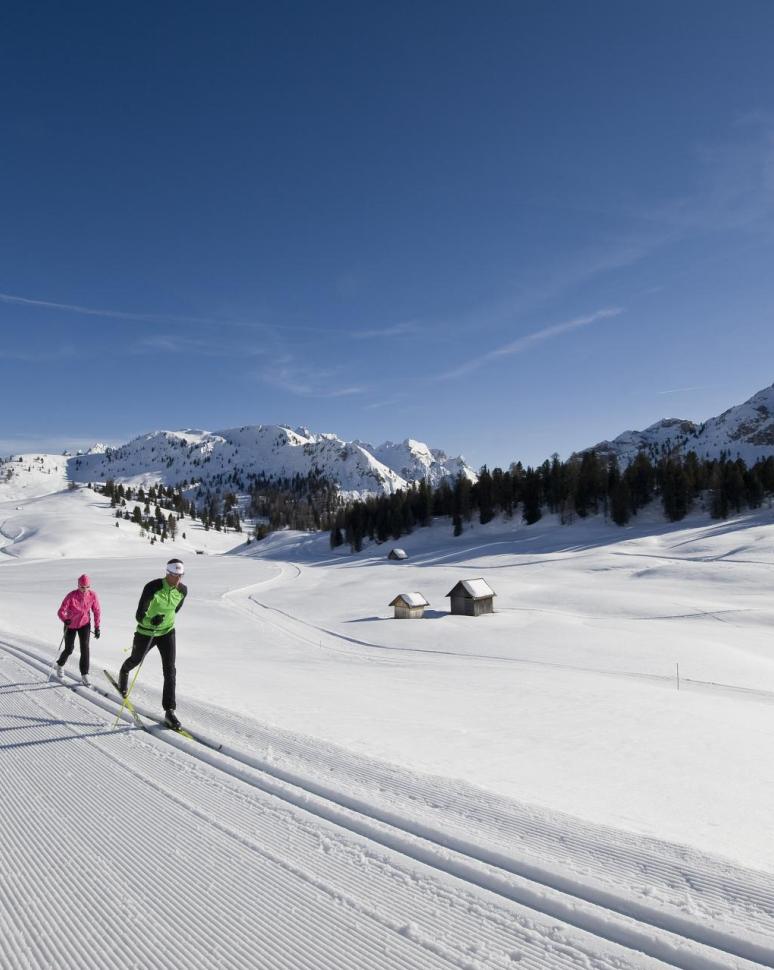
(273, 450)
(523, 789)
(745, 431)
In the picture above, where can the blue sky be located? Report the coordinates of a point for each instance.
(504, 228)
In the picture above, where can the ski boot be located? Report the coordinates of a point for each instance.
(59, 672)
(170, 719)
(85, 680)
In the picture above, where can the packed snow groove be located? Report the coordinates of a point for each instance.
(628, 860)
(535, 836)
(696, 960)
(228, 886)
(249, 947)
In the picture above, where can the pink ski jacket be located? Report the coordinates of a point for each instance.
(76, 607)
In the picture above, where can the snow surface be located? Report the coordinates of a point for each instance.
(172, 457)
(413, 461)
(477, 589)
(745, 431)
(411, 599)
(527, 788)
(29, 476)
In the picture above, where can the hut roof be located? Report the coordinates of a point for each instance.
(475, 589)
(399, 554)
(409, 599)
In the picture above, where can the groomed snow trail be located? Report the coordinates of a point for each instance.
(141, 849)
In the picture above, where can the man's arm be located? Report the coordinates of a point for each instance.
(148, 593)
(184, 591)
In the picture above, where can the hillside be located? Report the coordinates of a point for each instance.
(745, 431)
(275, 451)
(28, 476)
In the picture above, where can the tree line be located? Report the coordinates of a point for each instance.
(585, 484)
(303, 502)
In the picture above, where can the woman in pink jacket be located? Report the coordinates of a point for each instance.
(75, 612)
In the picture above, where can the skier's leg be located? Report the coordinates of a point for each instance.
(167, 649)
(135, 658)
(83, 641)
(69, 646)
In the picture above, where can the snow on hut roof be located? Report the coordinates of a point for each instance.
(476, 589)
(410, 599)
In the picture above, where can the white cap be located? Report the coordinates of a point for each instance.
(175, 567)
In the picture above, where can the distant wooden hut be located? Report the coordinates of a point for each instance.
(472, 597)
(398, 554)
(409, 606)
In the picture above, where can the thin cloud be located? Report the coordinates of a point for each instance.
(303, 381)
(95, 312)
(345, 392)
(383, 404)
(187, 345)
(734, 191)
(529, 341)
(170, 318)
(685, 390)
(735, 182)
(396, 330)
(597, 259)
(173, 345)
(35, 357)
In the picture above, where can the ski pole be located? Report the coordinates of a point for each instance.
(53, 662)
(134, 680)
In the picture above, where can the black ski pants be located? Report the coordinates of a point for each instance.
(84, 632)
(140, 647)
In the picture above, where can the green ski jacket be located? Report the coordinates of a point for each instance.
(157, 607)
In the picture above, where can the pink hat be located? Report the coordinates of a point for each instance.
(84, 580)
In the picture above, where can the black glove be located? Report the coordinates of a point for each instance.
(96, 632)
(65, 628)
(158, 620)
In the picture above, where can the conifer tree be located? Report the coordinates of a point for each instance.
(718, 496)
(484, 496)
(531, 511)
(424, 503)
(675, 490)
(337, 539)
(590, 484)
(620, 502)
(640, 478)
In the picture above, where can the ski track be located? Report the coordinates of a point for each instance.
(285, 852)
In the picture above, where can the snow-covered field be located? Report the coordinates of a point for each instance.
(528, 788)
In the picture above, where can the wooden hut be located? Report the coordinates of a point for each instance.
(472, 597)
(398, 554)
(409, 606)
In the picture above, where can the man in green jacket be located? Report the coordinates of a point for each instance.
(161, 600)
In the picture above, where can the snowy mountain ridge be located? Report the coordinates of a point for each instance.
(745, 431)
(275, 451)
